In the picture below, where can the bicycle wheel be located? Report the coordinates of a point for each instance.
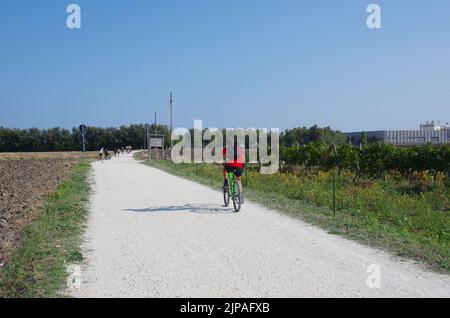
(237, 196)
(226, 195)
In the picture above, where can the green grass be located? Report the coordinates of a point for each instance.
(52, 241)
(373, 212)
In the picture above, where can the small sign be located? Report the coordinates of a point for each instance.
(156, 142)
(82, 129)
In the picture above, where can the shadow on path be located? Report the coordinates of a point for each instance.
(194, 208)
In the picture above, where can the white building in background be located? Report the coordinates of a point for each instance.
(434, 126)
(430, 132)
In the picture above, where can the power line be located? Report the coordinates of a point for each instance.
(339, 99)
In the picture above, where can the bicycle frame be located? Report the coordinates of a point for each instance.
(233, 187)
(231, 178)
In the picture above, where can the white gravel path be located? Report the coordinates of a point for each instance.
(151, 234)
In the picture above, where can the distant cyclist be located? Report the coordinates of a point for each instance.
(101, 153)
(235, 165)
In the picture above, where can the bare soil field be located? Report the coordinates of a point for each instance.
(47, 155)
(24, 180)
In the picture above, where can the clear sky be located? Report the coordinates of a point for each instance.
(247, 63)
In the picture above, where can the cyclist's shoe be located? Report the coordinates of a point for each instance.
(225, 186)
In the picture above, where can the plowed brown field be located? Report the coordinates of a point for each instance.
(24, 180)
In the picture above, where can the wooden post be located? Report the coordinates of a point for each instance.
(334, 192)
(334, 181)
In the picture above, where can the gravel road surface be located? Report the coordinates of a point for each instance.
(151, 234)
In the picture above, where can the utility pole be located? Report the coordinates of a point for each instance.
(171, 114)
(156, 131)
(146, 132)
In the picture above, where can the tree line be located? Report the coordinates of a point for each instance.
(302, 135)
(61, 139)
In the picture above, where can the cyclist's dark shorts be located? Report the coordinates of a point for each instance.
(237, 171)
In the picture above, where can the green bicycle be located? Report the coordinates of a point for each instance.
(234, 192)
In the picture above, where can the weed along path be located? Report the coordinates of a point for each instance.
(152, 234)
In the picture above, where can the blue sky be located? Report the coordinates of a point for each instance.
(247, 63)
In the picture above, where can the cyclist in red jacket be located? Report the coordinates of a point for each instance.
(236, 165)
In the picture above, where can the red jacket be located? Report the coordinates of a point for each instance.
(239, 157)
